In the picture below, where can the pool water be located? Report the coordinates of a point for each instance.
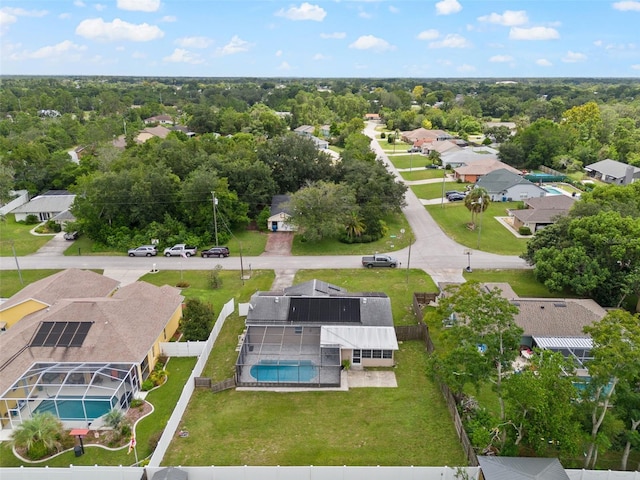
(72, 409)
(280, 371)
(553, 191)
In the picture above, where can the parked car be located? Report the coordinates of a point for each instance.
(143, 251)
(414, 149)
(453, 192)
(71, 236)
(455, 197)
(379, 260)
(180, 250)
(216, 252)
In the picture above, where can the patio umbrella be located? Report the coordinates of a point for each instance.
(170, 473)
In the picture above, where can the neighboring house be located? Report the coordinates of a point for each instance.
(325, 131)
(160, 120)
(280, 214)
(183, 129)
(374, 117)
(151, 132)
(424, 134)
(443, 147)
(42, 294)
(541, 211)
(45, 206)
(555, 323)
(320, 143)
(612, 171)
(302, 335)
(305, 130)
(521, 468)
(478, 167)
(18, 198)
(504, 185)
(82, 357)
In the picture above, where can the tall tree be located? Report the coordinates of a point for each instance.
(477, 201)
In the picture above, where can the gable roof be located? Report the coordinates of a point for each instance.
(124, 328)
(521, 468)
(611, 168)
(51, 201)
(70, 283)
(501, 180)
(280, 204)
(483, 166)
(420, 133)
(551, 202)
(313, 287)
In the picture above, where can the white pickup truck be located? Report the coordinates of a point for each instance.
(180, 250)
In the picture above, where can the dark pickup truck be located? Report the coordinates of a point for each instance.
(379, 260)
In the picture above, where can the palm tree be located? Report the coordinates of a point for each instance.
(114, 418)
(354, 225)
(477, 201)
(39, 434)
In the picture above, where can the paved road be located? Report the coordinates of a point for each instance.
(433, 251)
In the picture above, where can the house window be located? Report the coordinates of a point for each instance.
(356, 357)
(298, 330)
(377, 354)
(366, 354)
(387, 354)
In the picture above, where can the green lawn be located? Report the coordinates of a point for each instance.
(10, 283)
(411, 425)
(422, 174)
(494, 237)
(394, 240)
(408, 160)
(434, 190)
(16, 235)
(523, 282)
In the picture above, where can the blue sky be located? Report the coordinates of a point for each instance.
(341, 38)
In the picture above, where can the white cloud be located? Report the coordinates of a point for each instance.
(452, 40)
(447, 7)
(194, 42)
(120, 49)
(98, 29)
(501, 58)
(393, 9)
(79, 3)
(334, 35)
(235, 45)
(279, 53)
(365, 15)
(64, 16)
(169, 19)
(430, 34)
(320, 56)
(543, 62)
(626, 6)
(598, 43)
(284, 66)
(509, 18)
(573, 57)
(636, 66)
(21, 12)
(465, 68)
(100, 7)
(7, 18)
(138, 55)
(533, 33)
(181, 55)
(66, 49)
(369, 42)
(139, 5)
(306, 11)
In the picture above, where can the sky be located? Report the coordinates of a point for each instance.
(338, 38)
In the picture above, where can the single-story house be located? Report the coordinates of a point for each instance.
(541, 211)
(374, 117)
(521, 468)
(280, 214)
(160, 120)
(478, 167)
(151, 132)
(612, 171)
(504, 185)
(443, 147)
(45, 206)
(186, 130)
(308, 131)
(305, 130)
(325, 131)
(44, 293)
(304, 334)
(82, 357)
(555, 323)
(423, 133)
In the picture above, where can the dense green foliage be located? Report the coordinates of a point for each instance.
(197, 320)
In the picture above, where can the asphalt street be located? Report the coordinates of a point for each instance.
(432, 251)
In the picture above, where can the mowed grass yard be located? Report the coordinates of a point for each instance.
(494, 237)
(16, 236)
(429, 191)
(425, 174)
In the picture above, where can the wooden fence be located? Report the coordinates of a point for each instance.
(421, 332)
(205, 382)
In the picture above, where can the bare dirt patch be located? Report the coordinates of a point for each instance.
(279, 244)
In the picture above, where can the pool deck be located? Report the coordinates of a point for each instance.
(353, 378)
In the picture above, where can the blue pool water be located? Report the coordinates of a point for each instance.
(72, 409)
(553, 191)
(280, 371)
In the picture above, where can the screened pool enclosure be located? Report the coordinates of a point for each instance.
(73, 392)
(290, 356)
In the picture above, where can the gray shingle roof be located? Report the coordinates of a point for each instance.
(611, 168)
(48, 202)
(501, 180)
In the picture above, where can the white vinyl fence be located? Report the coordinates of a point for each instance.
(182, 349)
(187, 391)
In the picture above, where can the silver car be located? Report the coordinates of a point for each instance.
(143, 251)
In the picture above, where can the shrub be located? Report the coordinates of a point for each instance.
(383, 135)
(183, 284)
(125, 430)
(214, 279)
(147, 385)
(114, 418)
(31, 220)
(524, 230)
(136, 402)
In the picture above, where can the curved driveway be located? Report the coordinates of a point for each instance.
(433, 251)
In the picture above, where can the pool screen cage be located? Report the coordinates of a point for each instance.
(76, 393)
(289, 356)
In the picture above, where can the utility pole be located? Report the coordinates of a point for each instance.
(215, 220)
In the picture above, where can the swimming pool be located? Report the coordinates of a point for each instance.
(553, 191)
(71, 409)
(284, 371)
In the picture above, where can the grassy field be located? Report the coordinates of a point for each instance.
(422, 174)
(394, 240)
(411, 425)
(523, 282)
(16, 235)
(408, 160)
(494, 237)
(434, 190)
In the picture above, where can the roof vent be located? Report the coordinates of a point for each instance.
(364, 300)
(542, 307)
(276, 299)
